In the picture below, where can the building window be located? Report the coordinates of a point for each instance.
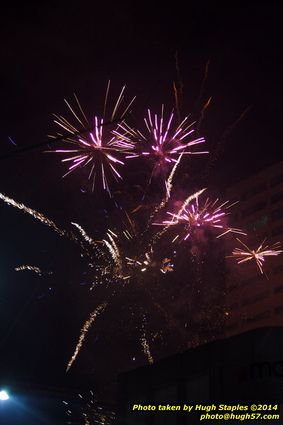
(254, 208)
(254, 191)
(276, 198)
(276, 180)
(277, 214)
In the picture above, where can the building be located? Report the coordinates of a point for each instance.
(242, 369)
(254, 299)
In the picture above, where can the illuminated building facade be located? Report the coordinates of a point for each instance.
(253, 299)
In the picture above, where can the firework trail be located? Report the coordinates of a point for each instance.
(202, 112)
(258, 255)
(144, 342)
(169, 182)
(114, 252)
(146, 349)
(199, 100)
(34, 269)
(63, 233)
(235, 230)
(84, 235)
(30, 268)
(100, 309)
(191, 198)
(178, 87)
(203, 82)
(12, 141)
(33, 213)
(101, 153)
(169, 186)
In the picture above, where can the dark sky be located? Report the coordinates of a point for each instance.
(48, 51)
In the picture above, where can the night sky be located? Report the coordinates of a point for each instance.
(48, 52)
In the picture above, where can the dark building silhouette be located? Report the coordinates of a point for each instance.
(245, 368)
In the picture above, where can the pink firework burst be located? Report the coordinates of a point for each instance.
(93, 142)
(163, 143)
(242, 255)
(194, 216)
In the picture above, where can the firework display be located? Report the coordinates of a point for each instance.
(93, 143)
(210, 214)
(134, 271)
(258, 255)
(162, 144)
